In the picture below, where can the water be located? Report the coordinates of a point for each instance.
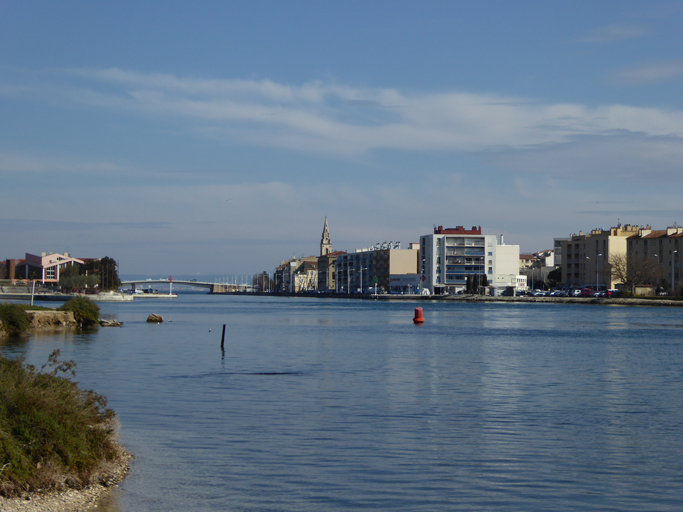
(345, 405)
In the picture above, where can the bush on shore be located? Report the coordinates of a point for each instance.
(52, 434)
(86, 312)
(13, 318)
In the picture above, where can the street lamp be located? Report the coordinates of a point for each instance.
(361, 278)
(597, 286)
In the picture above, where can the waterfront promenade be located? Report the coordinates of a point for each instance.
(632, 301)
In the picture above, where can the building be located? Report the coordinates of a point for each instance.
(10, 269)
(537, 266)
(452, 257)
(586, 257)
(372, 268)
(557, 251)
(661, 248)
(526, 261)
(45, 268)
(297, 275)
(326, 269)
(327, 274)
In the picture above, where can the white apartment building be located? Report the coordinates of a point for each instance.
(450, 256)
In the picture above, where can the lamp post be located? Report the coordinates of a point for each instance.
(673, 260)
(597, 285)
(361, 278)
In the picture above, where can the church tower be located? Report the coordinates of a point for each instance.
(325, 242)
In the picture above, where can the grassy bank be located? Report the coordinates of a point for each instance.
(53, 435)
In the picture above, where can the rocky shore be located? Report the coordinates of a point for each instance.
(72, 500)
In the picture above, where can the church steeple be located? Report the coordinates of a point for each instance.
(325, 241)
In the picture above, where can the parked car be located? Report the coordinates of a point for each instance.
(587, 292)
(611, 293)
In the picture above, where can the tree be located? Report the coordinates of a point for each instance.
(634, 271)
(555, 277)
(86, 312)
(107, 271)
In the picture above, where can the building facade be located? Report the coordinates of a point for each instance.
(663, 249)
(46, 268)
(450, 257)
(296, 275)
(586, 257)
(371, 268)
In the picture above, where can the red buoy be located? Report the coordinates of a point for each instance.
(419, 319)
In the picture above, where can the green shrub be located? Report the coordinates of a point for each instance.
(49, 428)
(86, 312)
(14, 318)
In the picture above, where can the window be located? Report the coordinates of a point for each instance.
(491, 253)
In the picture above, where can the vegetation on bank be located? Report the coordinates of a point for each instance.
(52, 434)
(86, 312)
(102, 273)
(14, 320)
(13, 317)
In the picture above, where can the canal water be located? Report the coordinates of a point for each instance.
(336, 405)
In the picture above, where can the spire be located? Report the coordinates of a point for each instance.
(325, 241)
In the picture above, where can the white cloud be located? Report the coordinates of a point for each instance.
(336, 119)
(613, 33)
(620, 158)
(649, 74)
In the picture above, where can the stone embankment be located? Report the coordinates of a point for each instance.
(569, 300)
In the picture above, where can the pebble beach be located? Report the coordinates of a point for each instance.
(71, 500)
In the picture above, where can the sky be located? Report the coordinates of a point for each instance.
(215, 137)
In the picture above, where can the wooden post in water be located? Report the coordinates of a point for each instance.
(223, 338)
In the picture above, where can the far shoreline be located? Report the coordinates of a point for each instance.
(635, 301)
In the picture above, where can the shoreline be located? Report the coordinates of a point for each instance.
(73, 500)
(633, 301)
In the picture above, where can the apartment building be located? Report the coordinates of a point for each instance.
(450, 256)
(663, 248)
(586, 257)
(375, 265)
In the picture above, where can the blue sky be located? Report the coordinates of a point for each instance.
(214, 137)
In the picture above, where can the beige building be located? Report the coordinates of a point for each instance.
(585, 257)
(297, 275)
(367, 267)
(664, 248)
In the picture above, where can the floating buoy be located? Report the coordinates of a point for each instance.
(419, 319)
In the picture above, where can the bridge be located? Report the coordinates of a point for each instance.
(213, 287)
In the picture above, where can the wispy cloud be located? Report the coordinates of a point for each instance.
(613, 33)
(649, 74)
(337, 119)
(14, 162)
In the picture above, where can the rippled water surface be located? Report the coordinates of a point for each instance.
(323, 404)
